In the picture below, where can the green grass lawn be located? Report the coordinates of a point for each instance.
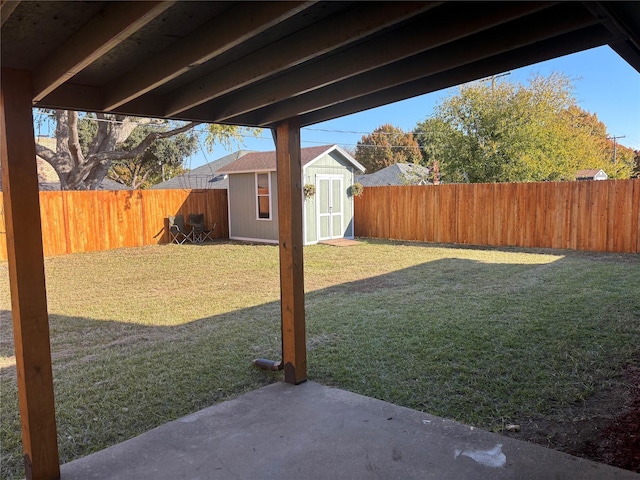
(484, 336)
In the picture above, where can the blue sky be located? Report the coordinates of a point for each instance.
(604, 84)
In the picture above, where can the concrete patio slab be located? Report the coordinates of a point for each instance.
(314, 432)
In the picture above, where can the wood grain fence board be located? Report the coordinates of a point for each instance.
(403, 214)
(545, 217)
(410, 217)
(222, 201)
(154, 214)
(627, 202)
(364, 214)
(486, 213)
(3, 232)
(359, 225)
(598, 216)
(428, 217)
(496, 236)
(448, 205)
(130, 231)
(635, 215)
(592, 216)
(618, 217)
(540, 217)
(77, 221)
(439, 214)
(462, 214)
(395, 200)
(564, 195)
(602, 214)
(526, 213)
(417, 226)
(580, 217)
(560, 203)
(384, 212)
(510, 221)
(54, 239)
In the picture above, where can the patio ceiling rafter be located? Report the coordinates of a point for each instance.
(214, 38)
(364, 57)
(6, 9)
(475, 48)
(259, 63)
(293, 50)
(105, 31)
(563, 45)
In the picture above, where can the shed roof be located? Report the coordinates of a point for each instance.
(266, 161)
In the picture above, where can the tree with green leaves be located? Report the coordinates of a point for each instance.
(506, 132)
(89, 146)
(162, 160)
(385, 146)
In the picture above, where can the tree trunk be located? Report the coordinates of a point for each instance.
(77, 172)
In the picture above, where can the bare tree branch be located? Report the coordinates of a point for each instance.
(47, 154)
(146, 143)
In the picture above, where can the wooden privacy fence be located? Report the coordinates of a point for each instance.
(587, 215)
(102, 220)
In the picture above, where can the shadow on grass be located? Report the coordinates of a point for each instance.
(482, 343)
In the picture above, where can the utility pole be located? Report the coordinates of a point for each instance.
(614, 138)
(493, 79)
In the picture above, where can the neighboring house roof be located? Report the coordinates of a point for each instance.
(206, 176)
(591, 173)
(266, 161)
(396, 174)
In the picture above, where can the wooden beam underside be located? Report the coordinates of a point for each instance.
(365, 57)
(292, 51)
(7, 7)
(367, 50)
(115, 23)
(210, 40)
(570, 43)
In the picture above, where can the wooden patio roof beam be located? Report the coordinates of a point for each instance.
(475, 48)
(233, 27)
(365, 57)
(363, 20)
(6, 9)
(114, 24)
(26, 277)
(564, 45)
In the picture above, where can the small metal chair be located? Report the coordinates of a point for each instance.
(199, 231)
(177, 232)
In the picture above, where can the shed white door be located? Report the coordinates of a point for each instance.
(329, 201)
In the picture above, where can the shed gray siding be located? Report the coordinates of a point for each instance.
(243, 221)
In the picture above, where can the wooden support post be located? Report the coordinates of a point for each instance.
(294, 350)
(26, 277)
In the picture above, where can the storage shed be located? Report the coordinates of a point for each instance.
(327, 213)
